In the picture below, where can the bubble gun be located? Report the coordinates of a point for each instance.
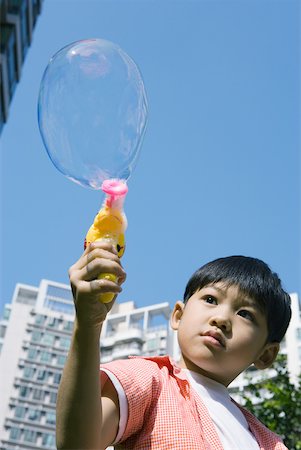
(110, 224)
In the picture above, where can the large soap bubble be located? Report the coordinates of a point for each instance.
(92, 112)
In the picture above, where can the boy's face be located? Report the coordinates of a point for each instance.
(221, 332)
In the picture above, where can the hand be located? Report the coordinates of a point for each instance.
(99, 257)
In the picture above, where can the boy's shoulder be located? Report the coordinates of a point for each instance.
(152, 362)
(266, 437)
(145, 370)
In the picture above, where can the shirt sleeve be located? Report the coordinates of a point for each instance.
(123, 404)
(141, 383)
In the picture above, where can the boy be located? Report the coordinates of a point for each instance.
(234, 314)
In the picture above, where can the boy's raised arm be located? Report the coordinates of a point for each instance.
(88, 418)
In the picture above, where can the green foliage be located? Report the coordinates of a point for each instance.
(277, 403)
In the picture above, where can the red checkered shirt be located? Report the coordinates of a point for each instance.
(165, 413)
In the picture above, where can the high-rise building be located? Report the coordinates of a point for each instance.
(35, 336)
(136, 331)
(17, 22)
(36, 339)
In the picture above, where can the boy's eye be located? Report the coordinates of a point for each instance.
(246, 314)
(210, 299)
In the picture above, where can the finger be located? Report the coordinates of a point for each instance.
(102, 286)
(80, 262)
(97, 253)
(102, 253)
(98, 266)
(121, 279)
(97, 245)
(104, 244)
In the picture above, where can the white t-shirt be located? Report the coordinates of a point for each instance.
(230, 423)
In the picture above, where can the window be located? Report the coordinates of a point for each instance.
(30, 436)
(59, 306)
(134, 346)
(298, 331)
(40, 319)
(11, 61)
(28, 372)
(38, 394)
(68, 325)
(15, 434)
(36, 336)
(2, 331)
(45, 356)
(20, 412)
(32, 353)
(162, 342)
(48, 339)
(34, 415)
(61, 359)
(48, 440)
(106, 352)
(35, 10)
(50, 417)
(6, 313)
(59, 292)
(53, 322)
(65, 342)
(27, 296)
(52, 398)
(24, 391)
(56, 378)
(153, 344)
(24, 27)
(42, 375)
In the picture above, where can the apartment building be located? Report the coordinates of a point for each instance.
(35, 335)
(17, 21)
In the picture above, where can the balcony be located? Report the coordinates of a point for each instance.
(122, 353)
(131, 334)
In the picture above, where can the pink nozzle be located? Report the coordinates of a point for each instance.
(114, 187)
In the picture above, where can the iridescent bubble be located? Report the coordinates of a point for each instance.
(92, 112)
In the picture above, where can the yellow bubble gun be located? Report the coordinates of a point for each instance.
(110, 224)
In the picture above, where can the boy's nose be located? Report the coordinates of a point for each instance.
(222, 322)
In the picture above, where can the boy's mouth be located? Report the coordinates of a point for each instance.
(216, 335)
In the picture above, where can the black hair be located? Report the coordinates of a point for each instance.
(254, 278)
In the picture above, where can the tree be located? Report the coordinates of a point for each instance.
(277, 403)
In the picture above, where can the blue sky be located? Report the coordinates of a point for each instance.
(219, 170)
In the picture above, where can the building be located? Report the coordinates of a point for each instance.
(36, 339)
(136, 331)
(35, 336)
(17, 22)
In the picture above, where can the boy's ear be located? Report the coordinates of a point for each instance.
(267, 356)
(176, 315)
